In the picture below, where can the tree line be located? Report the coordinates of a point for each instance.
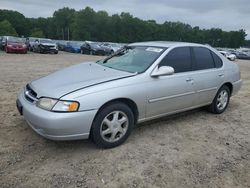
(87, 24)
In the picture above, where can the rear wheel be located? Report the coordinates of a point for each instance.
(112, 125)
(220, 101)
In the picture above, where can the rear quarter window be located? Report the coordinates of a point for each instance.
(217, 60)
(203, 58)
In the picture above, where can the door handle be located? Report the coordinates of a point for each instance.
(190, 80)
(221, 75)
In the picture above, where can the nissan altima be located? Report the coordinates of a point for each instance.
(103, 100)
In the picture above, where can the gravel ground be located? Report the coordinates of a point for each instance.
(192, 149)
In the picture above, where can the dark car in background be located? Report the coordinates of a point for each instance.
(73, 47)
(13, 45)
(45, 46)
(93, 48)
(2, 42)
(61, 44)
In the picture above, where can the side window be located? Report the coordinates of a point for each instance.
(179, 58)
(217, 60)
(203, 57)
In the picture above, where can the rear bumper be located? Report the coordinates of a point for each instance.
(56, 126)
(236, 86)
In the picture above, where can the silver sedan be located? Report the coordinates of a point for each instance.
(103, 100)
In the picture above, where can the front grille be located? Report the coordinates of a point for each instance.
(30, 94)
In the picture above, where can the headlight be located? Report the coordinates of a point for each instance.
(66, 106)
(24, 46)
(46, 103)
(57, 105)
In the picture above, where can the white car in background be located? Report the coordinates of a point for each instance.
(228, 55)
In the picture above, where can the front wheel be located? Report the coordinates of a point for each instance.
(220, 101)
(112, 125)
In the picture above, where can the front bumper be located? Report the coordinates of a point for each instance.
(56, 126)
(16, 50)
(48, 50)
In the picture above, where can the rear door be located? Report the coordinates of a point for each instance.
(208, 76)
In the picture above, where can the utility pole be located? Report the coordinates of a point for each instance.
(62, 34)
(68, 33)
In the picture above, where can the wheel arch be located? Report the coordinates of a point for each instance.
(131, 104)
(230, 86)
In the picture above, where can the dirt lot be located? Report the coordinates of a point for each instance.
(192, 149)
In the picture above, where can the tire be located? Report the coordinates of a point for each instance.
(220, 101)
(117, 120)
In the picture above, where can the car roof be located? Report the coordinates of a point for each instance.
(165, 44)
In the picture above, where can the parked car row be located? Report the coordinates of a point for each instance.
(232, 54)
(88, 47)
(43, 45)
(11, 44)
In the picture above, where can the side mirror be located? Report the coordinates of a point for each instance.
(162, 71)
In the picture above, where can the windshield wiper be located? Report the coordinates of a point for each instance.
(118, 53)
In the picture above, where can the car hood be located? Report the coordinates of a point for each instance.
(74, 78)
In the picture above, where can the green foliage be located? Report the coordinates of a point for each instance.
(87, 24)
(17, 20)
(36, 32)
(7, 29)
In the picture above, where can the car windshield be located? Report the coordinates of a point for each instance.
(15, 39)
(46, 41)
(133, 59)
(94, 45)
(76, 45)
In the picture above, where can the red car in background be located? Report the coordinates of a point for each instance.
(15, 45)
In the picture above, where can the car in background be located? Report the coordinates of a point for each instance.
(73, 47)
(243, 55)
(14, 45)
(113, 46)
(45, 46)
(2, 42)
(228, 55)
(30, 41)
(103, 100)
(61, 44)
(93, 48)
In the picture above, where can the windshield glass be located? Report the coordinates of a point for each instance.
(46, 41)
(94, 45)
(76, 45)
(15, 39)
(133, 59)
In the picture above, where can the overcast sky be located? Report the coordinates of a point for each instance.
(225, 14)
